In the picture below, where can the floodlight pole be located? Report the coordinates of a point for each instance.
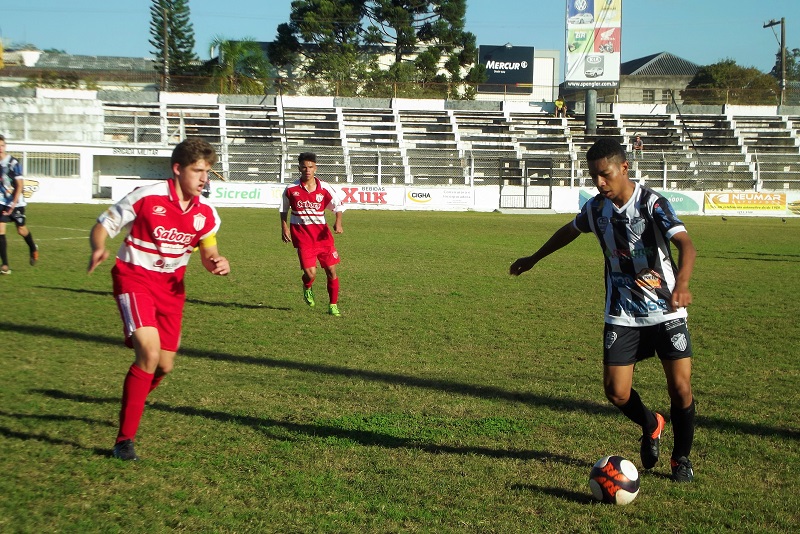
(782, 22)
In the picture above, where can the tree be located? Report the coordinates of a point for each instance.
(242, 67)
(321, 40)
(792, 65)
(340, 41)
(728, 83)
(434, 26)
(173, 36)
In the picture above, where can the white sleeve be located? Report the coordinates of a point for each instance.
(120, 216)
(335, 205)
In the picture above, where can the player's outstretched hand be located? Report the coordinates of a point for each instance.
(222, 267)
(521, 265)
(98, 256)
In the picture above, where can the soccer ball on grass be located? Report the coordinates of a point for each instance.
(614, 480)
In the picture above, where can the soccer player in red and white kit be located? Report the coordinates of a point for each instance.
(308, 198)
(163, 222)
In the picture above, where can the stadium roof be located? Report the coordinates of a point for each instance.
(661, 64)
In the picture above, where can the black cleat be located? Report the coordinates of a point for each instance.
(682, 469)
(649, 448)
(124, 450)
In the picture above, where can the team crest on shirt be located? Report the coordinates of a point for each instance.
(159, 210)
(320, 197)
(611, 337)
(637, 225)
(602, 223)
(199, 222)
(679, 341)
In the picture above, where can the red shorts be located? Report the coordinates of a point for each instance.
(147, 304)
(327, 257)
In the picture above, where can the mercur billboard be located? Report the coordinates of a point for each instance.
(593, 43)
(510, 68)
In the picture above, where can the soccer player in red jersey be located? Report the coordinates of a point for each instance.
(308, 198)
(163, 224)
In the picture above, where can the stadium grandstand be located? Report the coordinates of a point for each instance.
(97, 143)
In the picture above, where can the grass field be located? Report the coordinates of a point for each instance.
(449, 397)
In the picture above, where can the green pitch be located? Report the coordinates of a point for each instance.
(448, 397)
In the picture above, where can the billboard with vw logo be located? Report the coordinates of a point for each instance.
(593, 43)
(510, 68)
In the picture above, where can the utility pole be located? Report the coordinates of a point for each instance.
(165, 82)
(782, 22)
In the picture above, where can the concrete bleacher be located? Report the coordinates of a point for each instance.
(372, 143)
(431, 147)
(762, 134)
(484, 137)
(382, 144)
(536, 134)
(660, 133)
(710, 134)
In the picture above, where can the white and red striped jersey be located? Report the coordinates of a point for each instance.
(161, 235)
(640, 271)
(307, 222)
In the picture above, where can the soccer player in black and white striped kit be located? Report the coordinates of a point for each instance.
(646, 297)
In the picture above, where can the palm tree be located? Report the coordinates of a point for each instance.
(242, 67)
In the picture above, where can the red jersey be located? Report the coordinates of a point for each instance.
(161, 235)
(307, 223)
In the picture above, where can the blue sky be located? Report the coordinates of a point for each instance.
(701, 31)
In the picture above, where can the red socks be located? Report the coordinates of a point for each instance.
(333, 290)
(137, 385)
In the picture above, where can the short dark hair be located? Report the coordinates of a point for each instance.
(606, 147)
(193, 149)
(2, 138)
(306, 156)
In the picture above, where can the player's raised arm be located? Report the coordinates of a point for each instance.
(560, 239)
(97, 240)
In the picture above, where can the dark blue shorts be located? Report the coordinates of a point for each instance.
(17, 216)
(626, 345)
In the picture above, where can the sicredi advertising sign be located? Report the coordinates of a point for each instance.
(510, 68)
(594, 41)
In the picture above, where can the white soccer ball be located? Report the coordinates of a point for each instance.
(614, 480)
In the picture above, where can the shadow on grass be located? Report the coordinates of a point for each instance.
(235, 305)
(560, 493)
(25, 436)
(283, 430)
(755, 256)
(473, 390)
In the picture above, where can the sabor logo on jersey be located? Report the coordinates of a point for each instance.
(199, 222)
(611, 337)
(679, 341)
(172, 236)
(159, 210)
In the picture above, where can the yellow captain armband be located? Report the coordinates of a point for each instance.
(210, 241)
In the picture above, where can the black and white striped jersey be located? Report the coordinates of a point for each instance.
(640, 271)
